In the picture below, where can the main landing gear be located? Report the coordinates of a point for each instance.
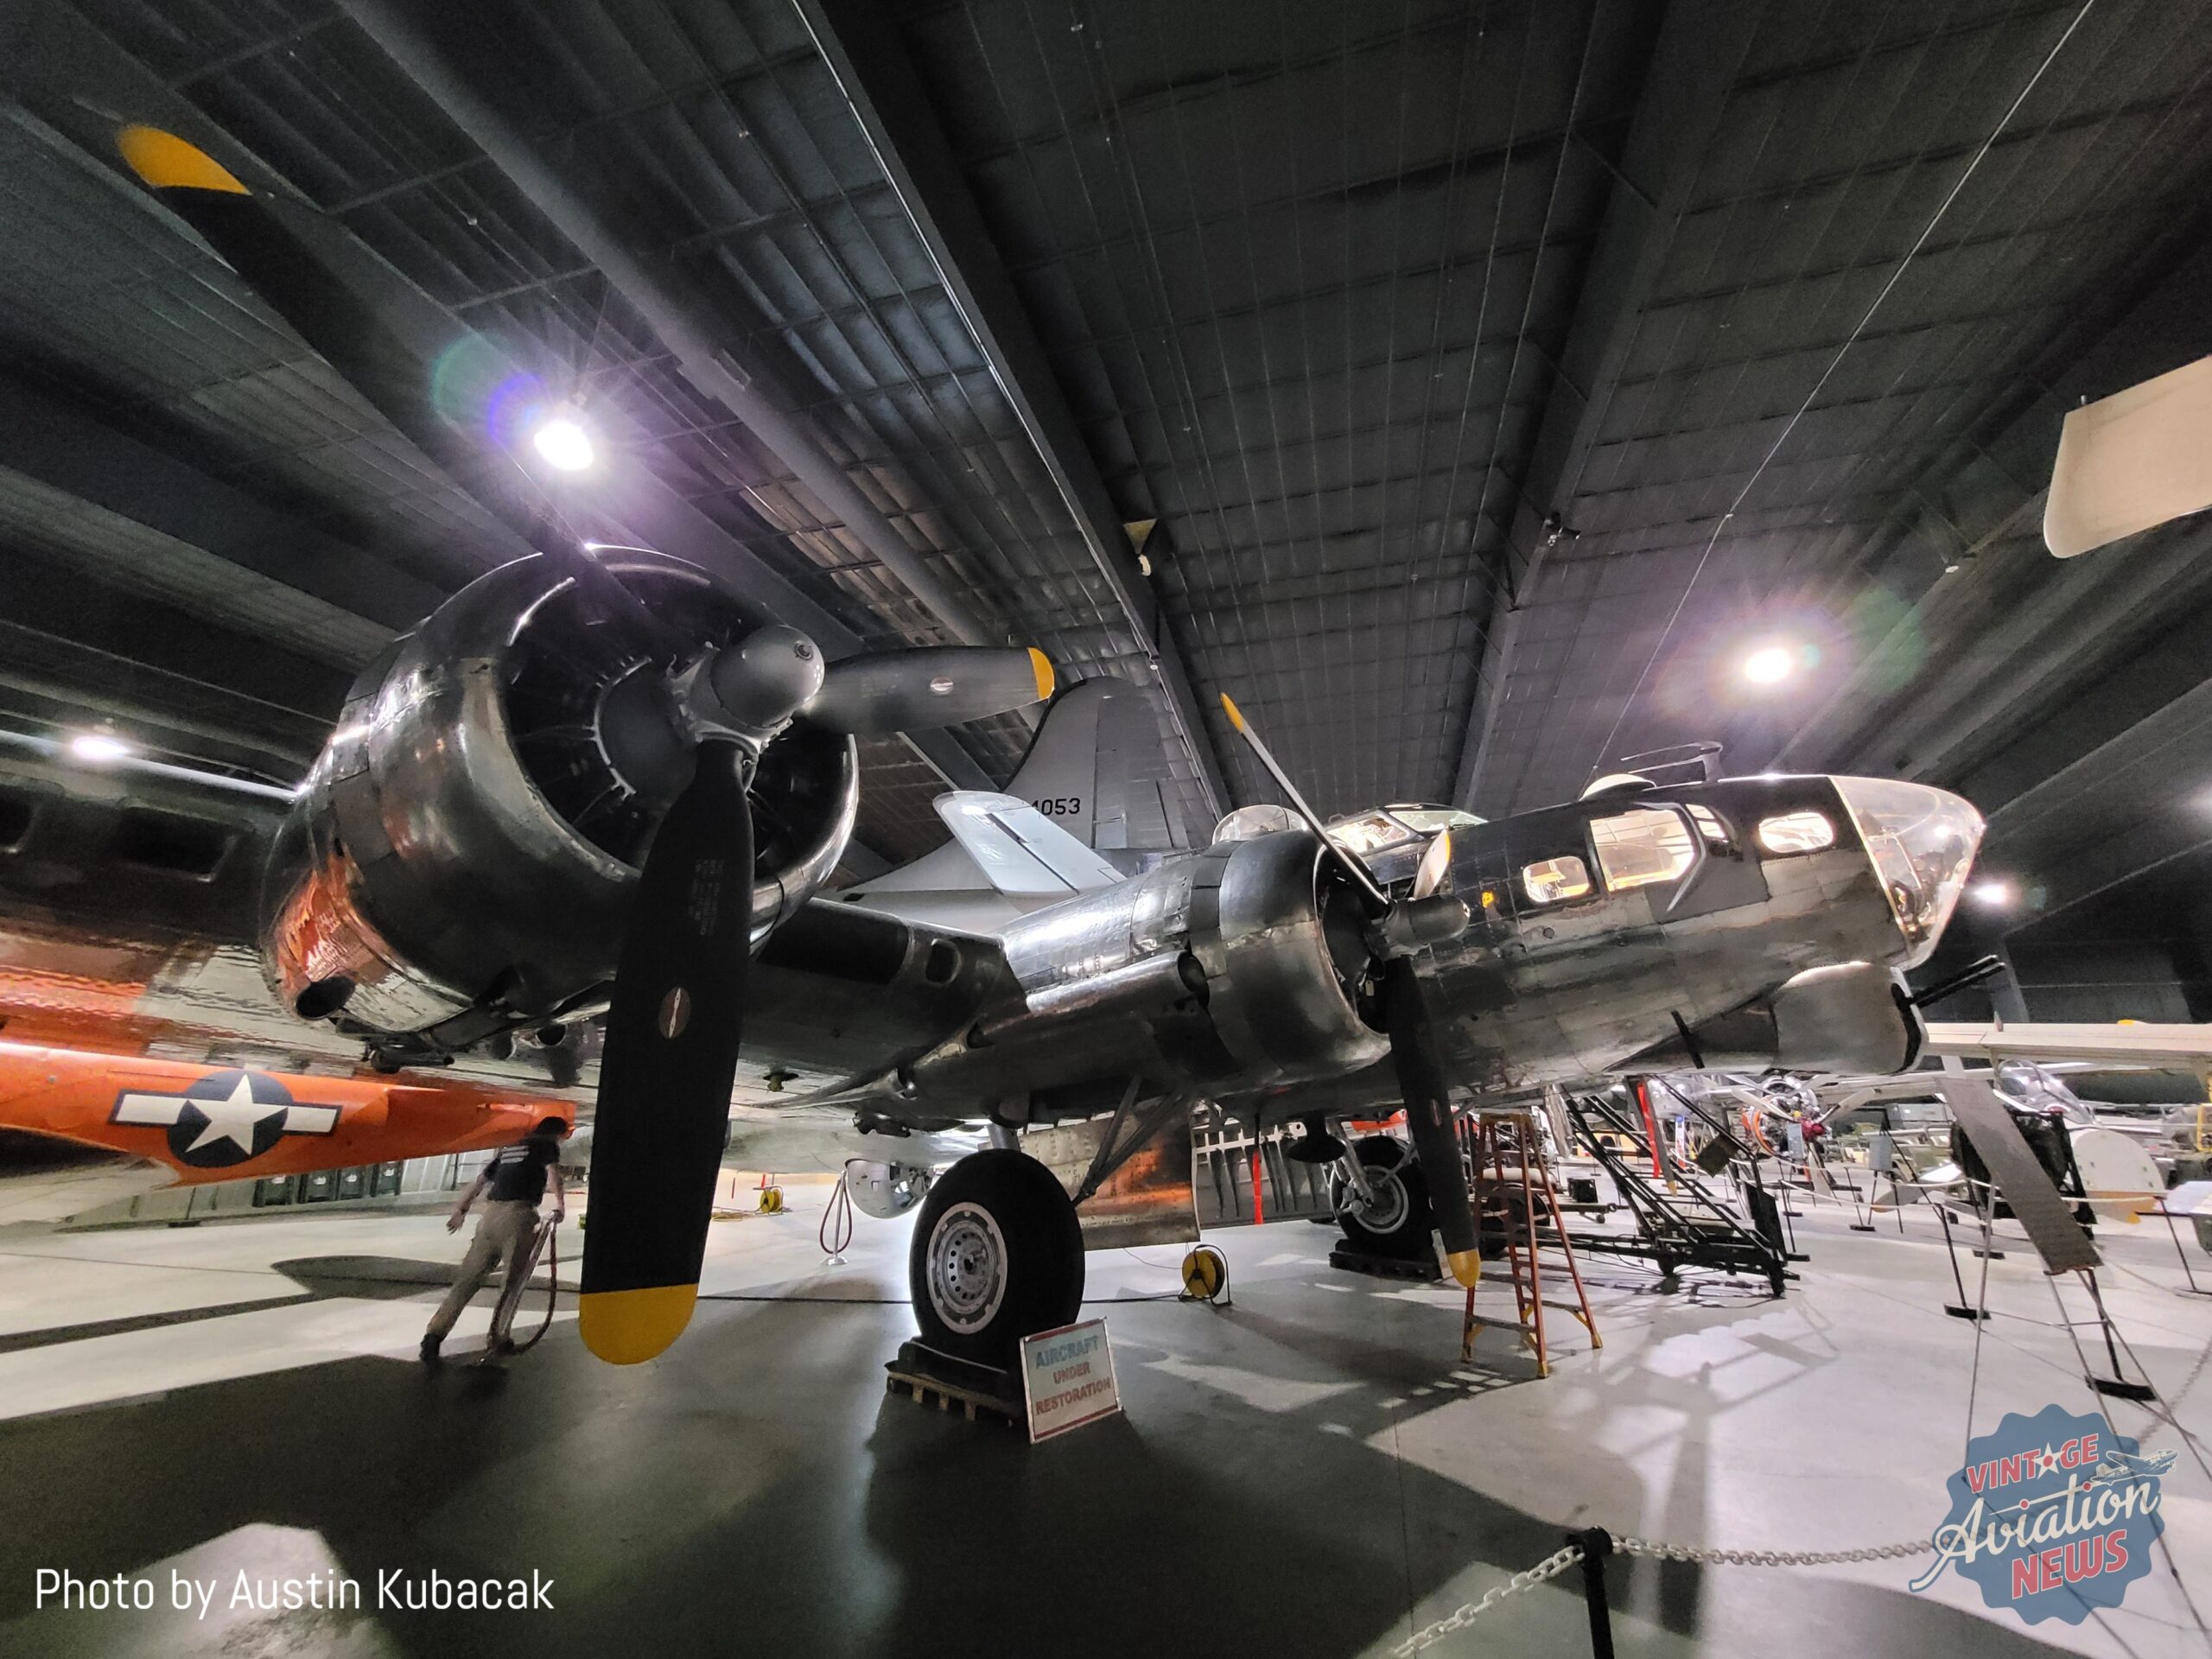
(1382, 1205)
(997, 1256)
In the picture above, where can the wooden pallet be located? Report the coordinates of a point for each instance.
(927, 1377)
(1386, 1267)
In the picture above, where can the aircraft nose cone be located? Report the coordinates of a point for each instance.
(1923, 841)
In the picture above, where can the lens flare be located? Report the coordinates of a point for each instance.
(561, 442)
(97, 747)
(1769, 665)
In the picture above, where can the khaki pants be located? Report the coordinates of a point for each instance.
(503, 1231)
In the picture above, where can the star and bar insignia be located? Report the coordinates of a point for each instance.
(227, 1117)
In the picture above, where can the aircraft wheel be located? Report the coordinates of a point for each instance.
(997, 1256)
(1399, 1223)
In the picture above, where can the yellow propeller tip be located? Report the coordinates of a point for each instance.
(1042, 666)
(627, 1327)
(1229, 707)
(1466, 1267)
(167, 163)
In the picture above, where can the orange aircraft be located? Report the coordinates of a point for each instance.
(200, 1123)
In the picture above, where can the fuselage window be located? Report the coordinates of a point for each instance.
(1709, 825)
(1556, 879)
(1797, 832)
(1639, 848)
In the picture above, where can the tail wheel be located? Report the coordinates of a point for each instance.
(1397, 1222)
(997, 1255)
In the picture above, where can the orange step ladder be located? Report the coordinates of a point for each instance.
(1510, 1173)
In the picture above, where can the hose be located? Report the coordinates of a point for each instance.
(546, 1246)
(836, 1220)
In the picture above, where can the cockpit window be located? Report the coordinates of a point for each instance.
(1641, 848)
(1554, 879)
(1391, 826)
(1427, 820)
(1797, 832)
(1709, 825)
(1369, 832)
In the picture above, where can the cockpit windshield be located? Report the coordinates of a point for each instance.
(1393, 826)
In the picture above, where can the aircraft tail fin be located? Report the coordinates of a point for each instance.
(1088, 802)
(1098, 770)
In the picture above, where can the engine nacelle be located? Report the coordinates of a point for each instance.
(463, 853)
(1244, 962)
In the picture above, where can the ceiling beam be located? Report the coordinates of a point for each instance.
(45, 438)
(2130, 805)
(861, 46)
(672, 316)
(1695, 57)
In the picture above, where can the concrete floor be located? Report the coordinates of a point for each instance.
(1313, 1471)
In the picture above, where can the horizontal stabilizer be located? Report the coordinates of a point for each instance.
(1023, 854)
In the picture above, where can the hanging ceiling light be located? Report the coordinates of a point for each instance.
(562, 443)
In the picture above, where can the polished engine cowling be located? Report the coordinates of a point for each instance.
(1244, 962)
(462, 854)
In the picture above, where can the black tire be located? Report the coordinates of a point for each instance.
(1405, 1233)
(1009, 1250)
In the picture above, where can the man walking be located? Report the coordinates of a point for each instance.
(511, 1185)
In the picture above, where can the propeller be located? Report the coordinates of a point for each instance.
(695, 730)
(1397, 931)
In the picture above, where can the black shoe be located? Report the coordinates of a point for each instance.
(431, 1356)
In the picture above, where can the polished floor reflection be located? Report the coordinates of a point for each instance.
(1310, 1471)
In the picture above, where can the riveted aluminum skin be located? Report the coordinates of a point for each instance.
(1214, 968)
(423, 864)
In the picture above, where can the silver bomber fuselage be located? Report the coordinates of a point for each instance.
(1239, 974)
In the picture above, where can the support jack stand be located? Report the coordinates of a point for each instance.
(1960, 1309)
(2115, 1386)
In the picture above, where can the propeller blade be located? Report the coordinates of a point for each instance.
(664, 1079)
(393, 343)
(436, 381)
(896, 691)
(1429, 1116)
(1436, 863)
(1362, 877)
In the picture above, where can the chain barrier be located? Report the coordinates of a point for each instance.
(1552, 1566)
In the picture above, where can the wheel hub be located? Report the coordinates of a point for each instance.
(967, 1261)
(1387, 1212)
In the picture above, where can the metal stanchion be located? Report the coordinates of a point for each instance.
(1596, 1544)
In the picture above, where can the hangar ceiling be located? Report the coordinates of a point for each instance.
(1488, 374)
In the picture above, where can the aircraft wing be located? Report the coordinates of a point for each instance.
(2182, 1046)
(1023, 853)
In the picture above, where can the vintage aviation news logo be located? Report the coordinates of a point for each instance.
(2053, 1515)
(224, 1118)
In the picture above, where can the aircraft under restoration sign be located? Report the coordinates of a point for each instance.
(1067, 1379)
